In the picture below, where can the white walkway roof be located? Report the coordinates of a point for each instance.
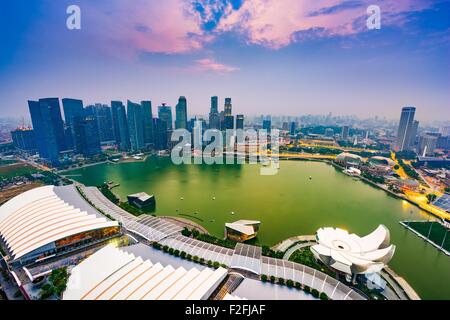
(43, 215)
(113, 274)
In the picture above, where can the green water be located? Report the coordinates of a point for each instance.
(287, 204)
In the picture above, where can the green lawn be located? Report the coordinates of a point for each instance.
(14, 170)
(437, 233)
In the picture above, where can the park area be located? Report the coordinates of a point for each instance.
(14, 169)
(433, 231)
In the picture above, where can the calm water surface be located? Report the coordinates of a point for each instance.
(287, 204)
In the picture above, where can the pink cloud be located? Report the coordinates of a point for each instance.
(274, 23)
(208, 64)
(174, 26)
(168, 26)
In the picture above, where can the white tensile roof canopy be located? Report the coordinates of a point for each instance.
(113, 274)
(352, 254)
(46, 214)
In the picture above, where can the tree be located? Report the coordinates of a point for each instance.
(431, 197)
(290, 283)
(315, 293)
(263, 278)
(216, 265)
(183, 254)
(307, 289)
(176, 253)
(272, 279)
(281, 281)
(396, 167)
(186, 232)
(323, 296)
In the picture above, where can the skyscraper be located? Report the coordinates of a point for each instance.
(23, 139)
(214, 117)
(102, 114)
(135, 125)
(345, 132)
(48, 128)
(181, 113)
(73, 108)
(267, 124)
(160, 133)
(240, 121)
(229, 122)
(148, 121)
(427, 144)
(413, 136)
(86, 136)
(165, 114)
(405, 129)
(57, 120)
(228, 107)
(120, 125)
(293, 128)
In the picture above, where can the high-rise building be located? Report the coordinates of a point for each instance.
(413, 135)
(228, 107)
(86, 136)
(23, 139)
(120, 125)
(214, 116)
(240, 121)
(293, 128)
(181, 114)
(73, 108)
(329, 132)
(267, 124)
(165, 114)
(102, 114)
(405, 129)
(135, 125)
(229, 122)
(345, 132)
(445, 131)
(48, 128)
(148, 121)
(160, 134)
(427, 144)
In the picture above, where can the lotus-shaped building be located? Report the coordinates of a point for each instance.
(352, 254)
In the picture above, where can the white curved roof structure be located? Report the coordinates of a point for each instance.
(352, 254)
(40, 216)
(113, 274)
(246, 227)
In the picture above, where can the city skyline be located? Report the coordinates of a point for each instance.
(281, 70)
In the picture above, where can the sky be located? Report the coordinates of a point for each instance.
(280, 57)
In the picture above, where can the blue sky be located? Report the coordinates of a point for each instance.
(288, 57)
